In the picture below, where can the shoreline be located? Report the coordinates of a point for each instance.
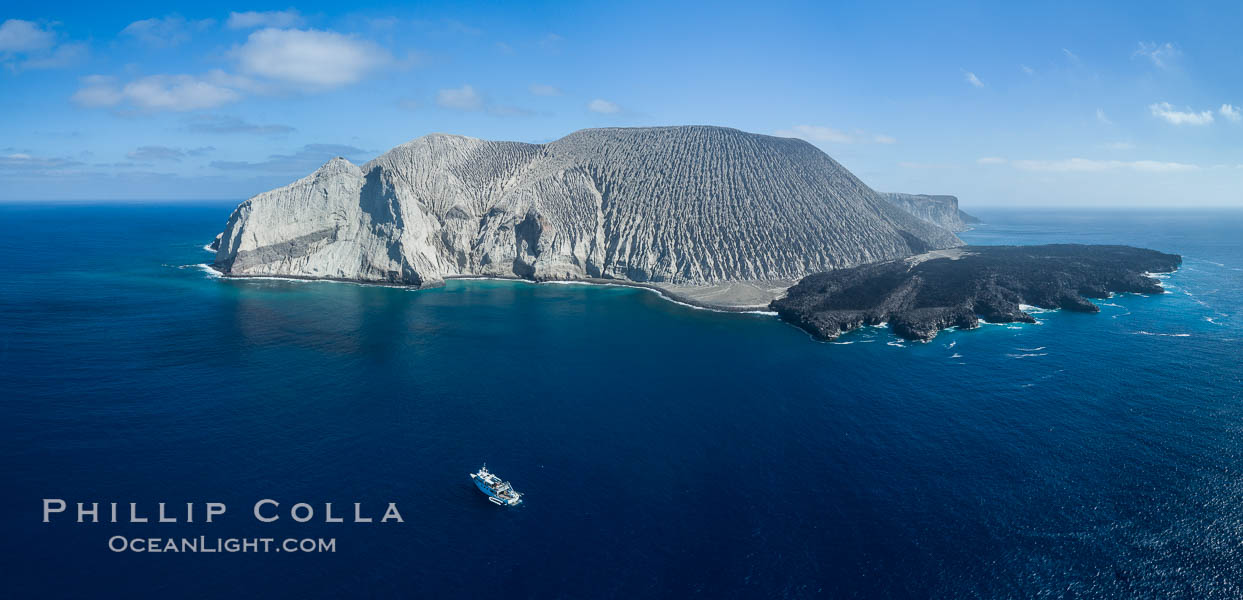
(659, 291)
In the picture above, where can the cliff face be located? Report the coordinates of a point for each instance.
(939, 210)
(955, 288)
(681, 205)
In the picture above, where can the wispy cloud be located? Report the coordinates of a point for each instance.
(463, 98)
(1230, 112)
(304, 160)
(469, 99)
(1070, 55)
(551, 42)
(154, 93)
(815, 133)
(1162, 56)
(1166, 111)
(280, 19)
(1026, 69)
(1084, 165)
(224, 124)
(1102, 117)
(972, 79)
(924, 165)
(990, 160)
(36, 165)
(604, 107)
(165, 153)
(820, 133)
(164, 31)
(544, 90)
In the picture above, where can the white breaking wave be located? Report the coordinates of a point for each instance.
(214, 274)
(956, 355)
(1027, 308)
(1163, 334)
(1031, 349)
(1028, 354)
(208, 248)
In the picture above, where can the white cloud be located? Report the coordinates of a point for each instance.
(97, 91)
(463, 98)
(280, 19)
(27, 45)
(177, 92)
(884, 139)
(972, 79)
(63, 56)
(163, 31)
(990, 160)
(603, 107)
(1230, 111)
(544, 90)
(1027, 69)
(1165, 111)
(1084, 165)
(1071, 55)
(1100, 116)
(24, 36)
(309, 58)
(155, 93)
(1161, 55)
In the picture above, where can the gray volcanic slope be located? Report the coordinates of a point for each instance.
(677, 205)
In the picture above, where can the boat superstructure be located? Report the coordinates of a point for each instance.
(499, 492)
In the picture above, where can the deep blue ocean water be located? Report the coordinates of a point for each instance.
(664, 451)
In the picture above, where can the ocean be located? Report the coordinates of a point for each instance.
(663, 451)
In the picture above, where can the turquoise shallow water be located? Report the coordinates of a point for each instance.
(664, 451)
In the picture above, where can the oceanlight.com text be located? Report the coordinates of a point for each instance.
(204, 544)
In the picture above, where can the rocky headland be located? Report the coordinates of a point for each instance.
(940, 210)
(922, 295)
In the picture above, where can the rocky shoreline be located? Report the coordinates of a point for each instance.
(920, 297)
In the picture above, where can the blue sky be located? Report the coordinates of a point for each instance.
(1002, 104)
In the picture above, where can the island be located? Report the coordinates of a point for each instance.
(922, 295)
(713, 215)
(710, 216)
